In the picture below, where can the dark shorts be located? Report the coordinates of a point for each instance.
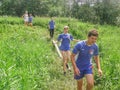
(83, 73)
(51, 29)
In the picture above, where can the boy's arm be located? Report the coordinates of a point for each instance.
(76, 40)
(97, 61)
(75, 68)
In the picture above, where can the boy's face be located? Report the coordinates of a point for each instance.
(92, 39)
(65, 30)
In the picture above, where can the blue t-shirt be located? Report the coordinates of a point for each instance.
(30, 19)
(51, 24)
(65, 41)
(85, 53)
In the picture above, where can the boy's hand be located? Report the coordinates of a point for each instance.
(77, 71)
(100, 72)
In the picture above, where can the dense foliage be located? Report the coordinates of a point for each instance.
(105, 12)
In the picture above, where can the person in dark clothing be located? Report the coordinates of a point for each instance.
(51, 26)
(30, 20)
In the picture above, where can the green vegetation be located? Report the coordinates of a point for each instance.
(28, 60)
(95, 11)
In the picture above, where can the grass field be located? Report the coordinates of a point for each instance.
(28, 60)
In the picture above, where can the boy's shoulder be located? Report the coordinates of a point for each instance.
(81, 42)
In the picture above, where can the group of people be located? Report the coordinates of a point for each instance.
(81, 56)
(28, 19)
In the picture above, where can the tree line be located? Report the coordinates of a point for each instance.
(105, 12)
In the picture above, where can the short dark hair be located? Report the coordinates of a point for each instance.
(93, 33)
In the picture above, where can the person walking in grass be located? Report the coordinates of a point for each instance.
(51, 26)
(30, 20)
(82, 66)
(65, 39)
(26, 18)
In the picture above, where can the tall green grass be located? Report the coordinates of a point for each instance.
(24, 58)
(28, 60)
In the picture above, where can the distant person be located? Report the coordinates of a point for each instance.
(30, 20)
(26, 18)
(65, 39)
(82, 66)
(51, 26)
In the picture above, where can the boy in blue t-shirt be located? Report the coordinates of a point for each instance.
(30, 20)
(85, 50)
(51, 26)
(65, 39)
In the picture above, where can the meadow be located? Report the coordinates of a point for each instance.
(29, 61)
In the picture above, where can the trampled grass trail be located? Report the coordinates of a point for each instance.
(58, 80)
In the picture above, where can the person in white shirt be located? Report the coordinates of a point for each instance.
(26, 18)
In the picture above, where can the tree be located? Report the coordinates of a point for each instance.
(75, 9)
(107, 12)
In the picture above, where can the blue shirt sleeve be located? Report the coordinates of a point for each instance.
(59, 37)
(76, 49)
(96, 52)
(71, 37)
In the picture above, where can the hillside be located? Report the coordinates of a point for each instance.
(28, 60)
